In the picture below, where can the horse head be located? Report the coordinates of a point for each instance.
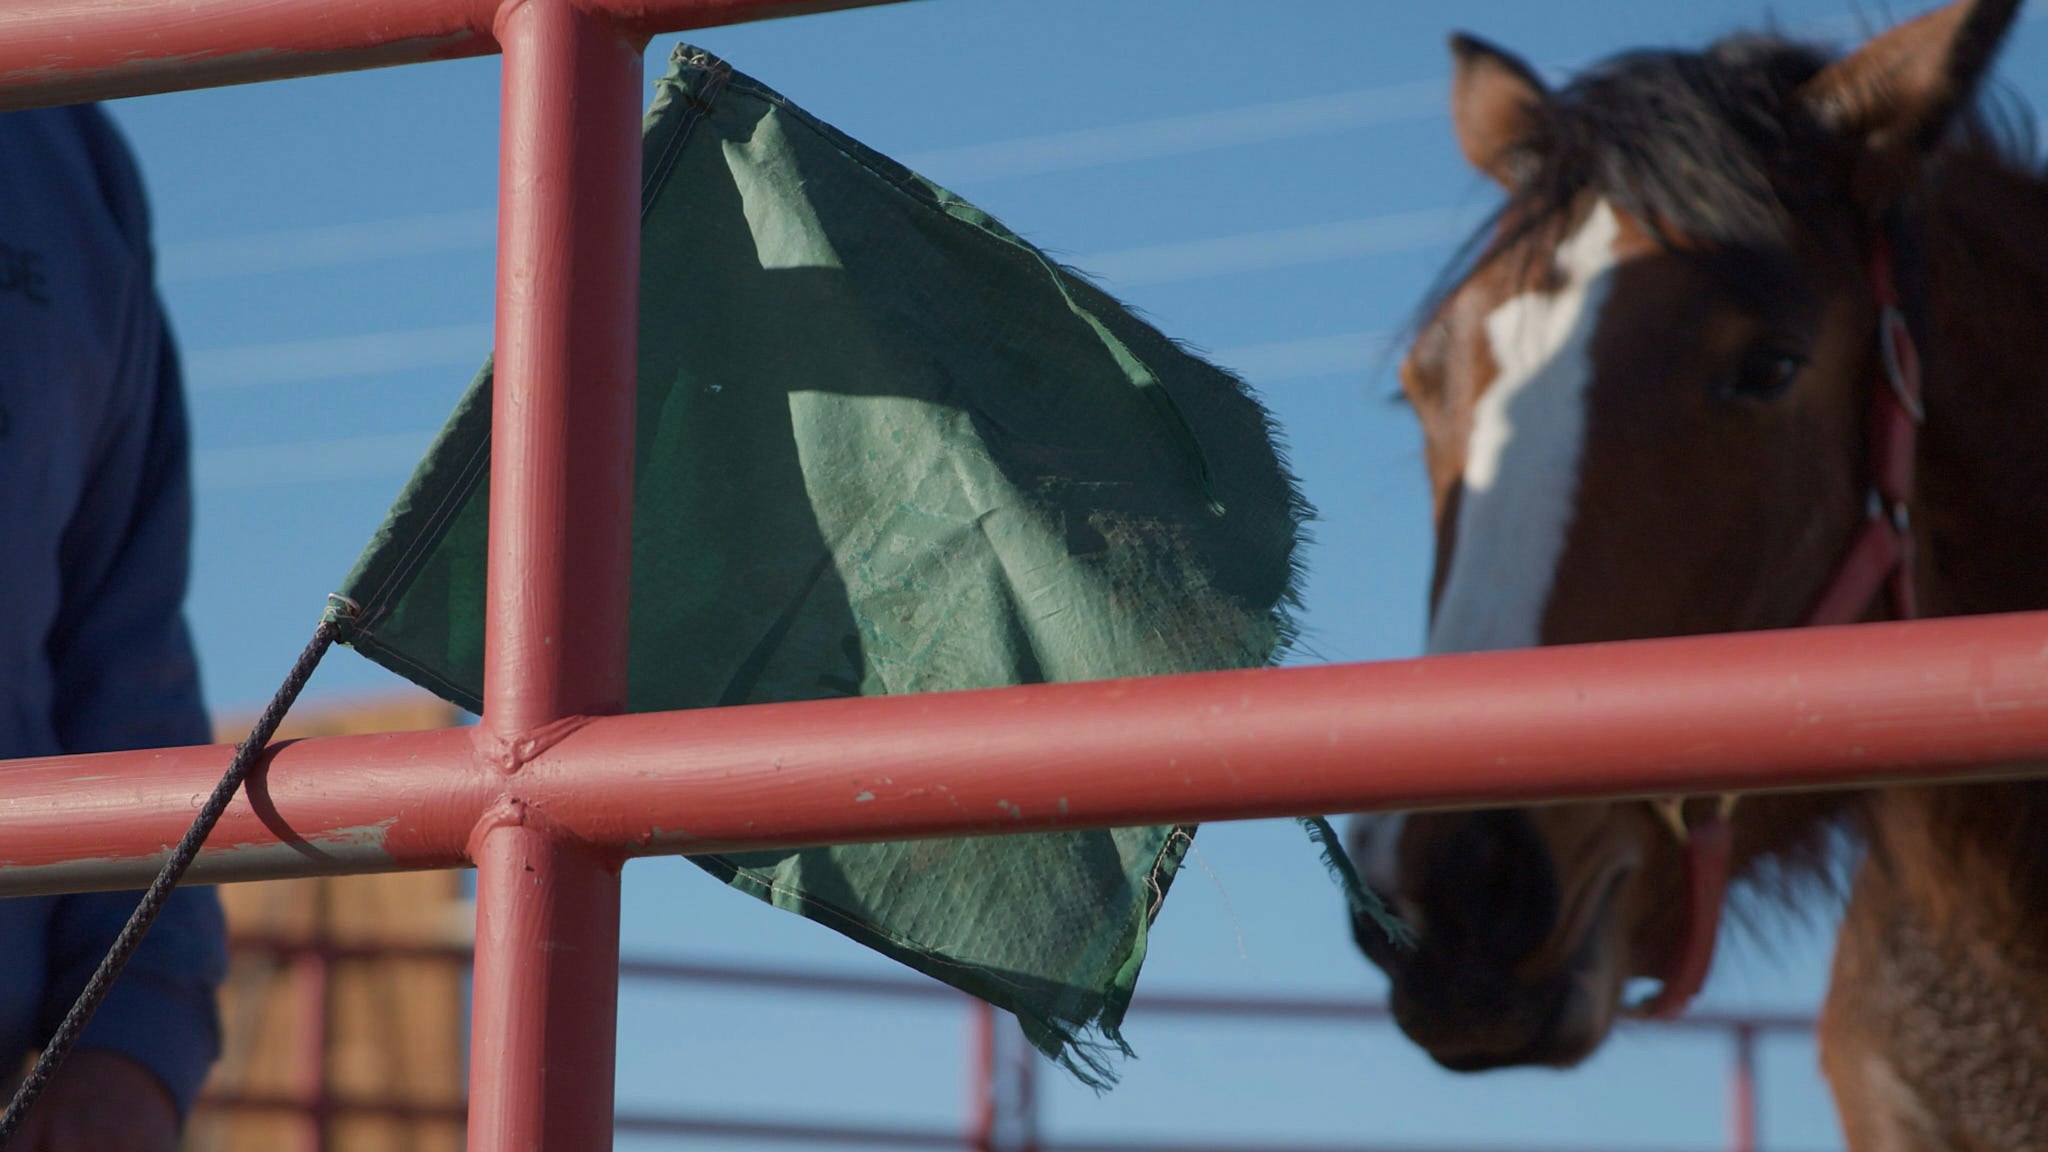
(1647, 404)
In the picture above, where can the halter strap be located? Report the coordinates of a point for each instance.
(1709, 847)
(1882, 552)
(1880, 557)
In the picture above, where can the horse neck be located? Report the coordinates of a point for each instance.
(1983, 484)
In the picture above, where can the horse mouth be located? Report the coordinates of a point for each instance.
(1574, 947)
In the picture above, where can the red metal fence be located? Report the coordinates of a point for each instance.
(553, 791)
(1002, 1113)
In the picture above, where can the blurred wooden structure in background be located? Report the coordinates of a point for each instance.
(304, 1034)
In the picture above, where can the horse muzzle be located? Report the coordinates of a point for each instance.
(1473, 1013)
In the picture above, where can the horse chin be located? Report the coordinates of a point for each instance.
(1576, 1026)
(1585, 1013)
(1592, 997)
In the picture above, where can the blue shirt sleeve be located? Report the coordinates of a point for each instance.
(125, 674)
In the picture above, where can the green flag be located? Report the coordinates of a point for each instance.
(886, 446)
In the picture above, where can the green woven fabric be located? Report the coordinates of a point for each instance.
(886, 446)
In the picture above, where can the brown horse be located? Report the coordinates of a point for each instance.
(1674, 389)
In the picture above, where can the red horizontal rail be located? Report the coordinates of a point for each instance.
(797, 1132)
(1312, 1009)
(1087, 1145)
(1096, 1145)
(67, 51)
(453, 1113)
(1813, 708)
(637, 1123)
(1194, 1005)
(1323, 1010)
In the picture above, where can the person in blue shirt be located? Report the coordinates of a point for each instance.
(95, 529)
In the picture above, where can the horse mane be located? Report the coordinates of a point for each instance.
(1691, 143)
(1712, 150)
(1802, 863)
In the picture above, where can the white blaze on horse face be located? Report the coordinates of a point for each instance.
(1374, 843)
(1380, 864)
(1522, 463)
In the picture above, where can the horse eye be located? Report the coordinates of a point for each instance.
(1763, 374)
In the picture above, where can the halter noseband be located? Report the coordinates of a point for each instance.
(1880, 557)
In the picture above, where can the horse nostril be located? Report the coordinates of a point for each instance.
(1373, 843)
(1501, 891)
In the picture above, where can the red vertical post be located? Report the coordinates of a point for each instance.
(981, 1084)
(562, 407)
(310, 988)
(545, 1004)
(544, 1021)
(1742, 1134)
(1026, 1082)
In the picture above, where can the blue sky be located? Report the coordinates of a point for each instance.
(1274, 182)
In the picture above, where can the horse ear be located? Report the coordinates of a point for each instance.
(1496, 101)
(1894, 98)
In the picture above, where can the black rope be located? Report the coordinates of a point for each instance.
(95, 990)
